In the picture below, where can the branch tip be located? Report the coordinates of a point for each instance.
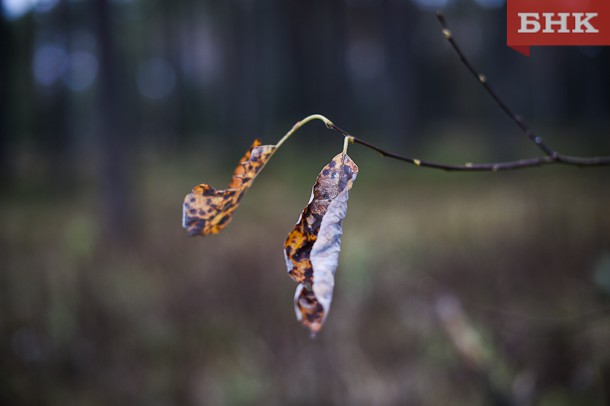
(491, 92)
(550, 155)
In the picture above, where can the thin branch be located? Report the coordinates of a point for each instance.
(551, 156)
(550, 152)
(483, 80)
(467, 167)
(480, 167)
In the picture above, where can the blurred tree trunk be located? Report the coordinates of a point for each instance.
(57, 110)
(171, 119)
(244, 70)
(307, 43)
(5, 57)
(111, 133)
(5, 285)
(404, 115)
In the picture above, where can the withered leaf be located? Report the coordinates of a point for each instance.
(312, 247)
(207, 210)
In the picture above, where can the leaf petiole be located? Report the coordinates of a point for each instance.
(301, 123)
(348, 139)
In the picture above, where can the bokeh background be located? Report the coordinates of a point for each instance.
(464, 289)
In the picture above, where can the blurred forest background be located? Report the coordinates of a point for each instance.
(465, 289)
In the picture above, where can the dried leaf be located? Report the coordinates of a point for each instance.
(207, 210)
(312, 247)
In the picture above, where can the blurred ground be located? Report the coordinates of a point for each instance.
(452, 289)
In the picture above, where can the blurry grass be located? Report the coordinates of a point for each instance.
(163, 319)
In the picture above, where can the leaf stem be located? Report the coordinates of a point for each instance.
(348, 139)
(300, 124)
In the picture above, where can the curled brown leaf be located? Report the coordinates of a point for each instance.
(207, 210)
(312, 247)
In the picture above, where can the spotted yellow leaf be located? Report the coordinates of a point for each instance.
(207, 210)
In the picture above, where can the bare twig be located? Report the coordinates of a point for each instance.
(555, 156)
(483, 80)
(482, 167)
(550, 156)
(467, 167)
